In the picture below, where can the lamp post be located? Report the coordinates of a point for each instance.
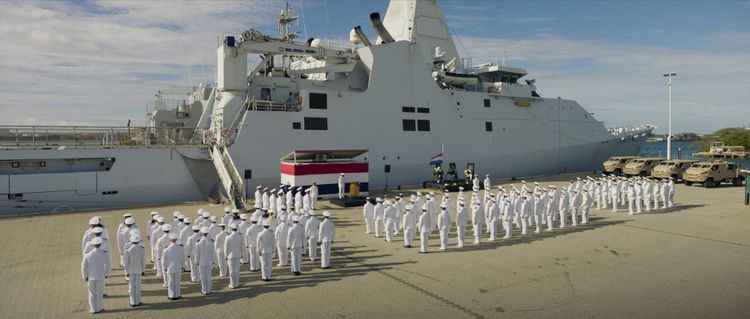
(669, 134)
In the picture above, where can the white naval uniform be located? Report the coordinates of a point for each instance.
(477, 219)
(171, 263)
(444, 226)
(233, 247)
(134, 262)
(220, 253)
(424, 224)
(251, 238)
(294, 242)
(369, 213)
(326, 234)
(311, 232)
(192, 260)
(266, 245)
(410, 225)
(389, 219)
(379, 211)
(282, 232)
(205, 258)
(95, 268)
(461, 221)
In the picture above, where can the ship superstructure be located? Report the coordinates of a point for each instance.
(403, 96)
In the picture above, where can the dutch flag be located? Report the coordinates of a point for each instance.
(437, 159)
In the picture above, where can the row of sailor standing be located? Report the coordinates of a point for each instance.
(201, 245)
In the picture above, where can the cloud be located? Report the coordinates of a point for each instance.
(100, 62)
(622, 84)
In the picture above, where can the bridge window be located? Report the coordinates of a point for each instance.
(423, 125)
(296, 125)
(318, 101)
(487, 103)
(316, 123)
(407, 109)
(423, 110)
(409, 125)
(488, 126)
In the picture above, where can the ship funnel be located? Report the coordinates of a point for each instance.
(356, 36)
(383, 34)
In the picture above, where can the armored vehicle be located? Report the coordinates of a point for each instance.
(615, 164)
(671, 168)
(641, 166)
(714, 173)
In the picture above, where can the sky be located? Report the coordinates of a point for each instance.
(100, 62)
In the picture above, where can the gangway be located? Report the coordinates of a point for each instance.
(230, 178)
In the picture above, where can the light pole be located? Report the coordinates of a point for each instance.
(669, 134)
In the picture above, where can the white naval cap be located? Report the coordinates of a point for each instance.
(266, 222)
(196, 227)
(222, 225)
(258, 187)
(160, 219)
(97, 230)
(187, 220)
(461, 188)
(135, 238)
(96, 241)
(379, 199)
(154, 213)
(176, 213)
(126, 215)
(94, 220)
(134, 231)
(213, 219)
(205, 214)
(166, 227)
(311, 212)
(204, 230)
(235, 211)
(283, 217)
(129, 221)
(326, 213)
(295, 218)
(443, 206)
(234, 226)
(342, 174)
(243, 216)
(253, 219)
(174, 236)
(227, 209)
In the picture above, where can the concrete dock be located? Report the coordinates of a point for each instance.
(691, 261)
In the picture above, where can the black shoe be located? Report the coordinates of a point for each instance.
(135, 305)
(297, 273)
(325, 267)
(266, 280)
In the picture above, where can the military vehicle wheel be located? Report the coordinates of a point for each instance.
(708, 183)
(618, 172)
(674, 178)
(688, 183)
(737, 181)
(642, 174)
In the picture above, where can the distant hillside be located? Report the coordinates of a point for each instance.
(732, 136)
(678, 137)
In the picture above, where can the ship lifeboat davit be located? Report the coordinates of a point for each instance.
(455, 79)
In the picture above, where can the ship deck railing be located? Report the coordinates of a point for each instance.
(265, 105)
(56, 137)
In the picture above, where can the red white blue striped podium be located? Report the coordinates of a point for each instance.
(302, 168)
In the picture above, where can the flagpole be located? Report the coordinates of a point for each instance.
(442, 151)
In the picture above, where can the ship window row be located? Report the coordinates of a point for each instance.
(410, 125)
(412, 109)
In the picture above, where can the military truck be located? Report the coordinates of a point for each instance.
(641, 166)
(671, 168)
(615, 164)
(714, 173)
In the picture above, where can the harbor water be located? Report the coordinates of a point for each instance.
(681, 150)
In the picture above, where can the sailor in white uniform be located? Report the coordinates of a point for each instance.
(342, 186)
(444, 226)
(585, 206)
(508, 212)
(95, 268)
(379, 212)
(190, 250)
(234, 244)
(134, 261)
(326, 236)
(171, 263)
(368, 211)
(282, 233)
(409, 225)
(266, 244)
(462, 219)
(205, 259)
(294, 243)
(251, 239)
(424, 224)
(314, 195)
(389, 219)
(258, 197)
(477, 219)
(670, 192)
(311, 233)
(220, 253)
